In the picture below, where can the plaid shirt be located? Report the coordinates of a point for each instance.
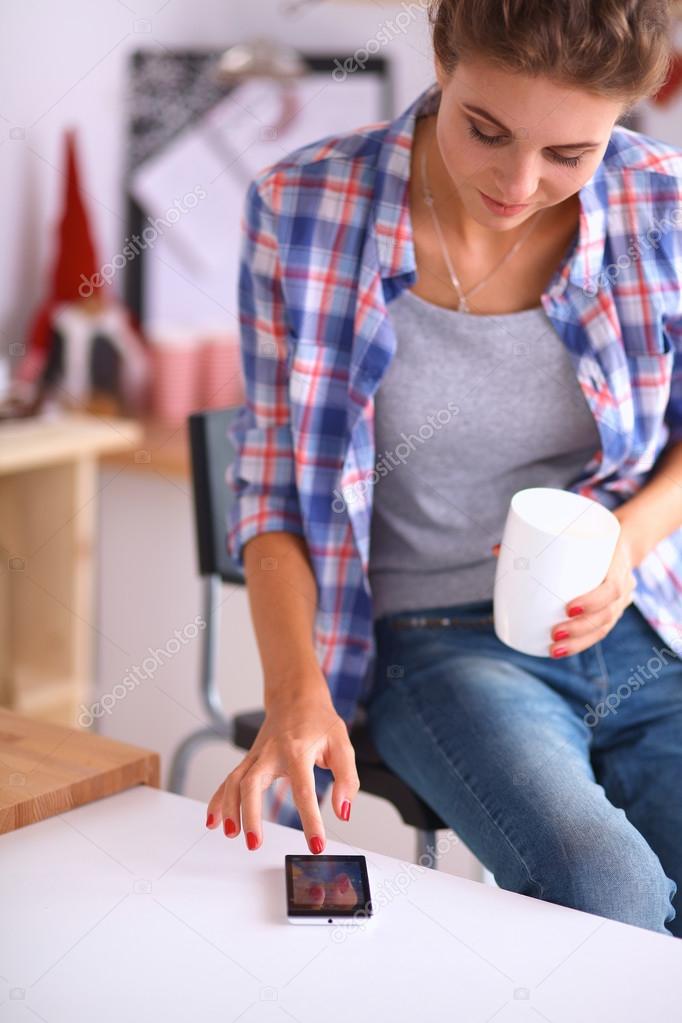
(326, 244)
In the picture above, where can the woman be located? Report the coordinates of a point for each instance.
(414, 353)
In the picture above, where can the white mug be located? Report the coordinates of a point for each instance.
(556, 545)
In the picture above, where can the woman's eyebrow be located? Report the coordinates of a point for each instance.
(560, 145)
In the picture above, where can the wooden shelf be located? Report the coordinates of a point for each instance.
(48, 503)
(45, 440)
(162, 447)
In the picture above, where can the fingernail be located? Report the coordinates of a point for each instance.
(316, 891)
(345, 810)
(560, 651)
(251, 840)
(229, 826)
(561, 634)
(316, 844)
(575, 611)
(209, 820)
(344, 883)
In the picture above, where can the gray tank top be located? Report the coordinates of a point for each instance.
(470, 410)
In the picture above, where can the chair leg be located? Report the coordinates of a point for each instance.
(210, 694)
(427, 854)
(221, 726)
(180, 761)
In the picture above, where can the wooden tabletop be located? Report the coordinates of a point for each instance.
(162, 447)
(46, 769)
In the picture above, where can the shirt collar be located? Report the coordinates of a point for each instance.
(391, 201)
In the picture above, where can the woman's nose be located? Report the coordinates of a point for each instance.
(517, 181)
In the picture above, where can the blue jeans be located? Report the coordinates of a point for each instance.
(563, 776)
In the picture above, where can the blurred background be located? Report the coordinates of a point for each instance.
(128, 134)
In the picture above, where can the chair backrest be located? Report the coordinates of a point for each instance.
(211, 453)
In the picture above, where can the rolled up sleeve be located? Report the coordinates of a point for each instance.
(262, 474)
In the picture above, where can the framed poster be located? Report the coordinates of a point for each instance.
(194, 146)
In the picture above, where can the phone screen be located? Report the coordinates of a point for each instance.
(320, 885)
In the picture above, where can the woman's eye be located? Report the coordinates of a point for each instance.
(495, 140)
(490, 140)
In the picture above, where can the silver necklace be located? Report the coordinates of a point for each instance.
(463, 305)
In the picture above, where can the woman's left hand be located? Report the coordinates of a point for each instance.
(593, 615)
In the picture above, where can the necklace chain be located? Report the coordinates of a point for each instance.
(454, 279)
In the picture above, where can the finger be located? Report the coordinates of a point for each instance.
(316, 895)
(340, 760)
(231, 801)
(585, 611)
(343, 893)
(309, 892)
(213, 811)
(251, 789)
(608, 592)
(302, 780)
(578, 628)
(570, 640)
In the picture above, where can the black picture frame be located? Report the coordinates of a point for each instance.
(153, 123)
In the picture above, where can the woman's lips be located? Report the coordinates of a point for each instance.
(503, 211)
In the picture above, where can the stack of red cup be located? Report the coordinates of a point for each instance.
(192, 372)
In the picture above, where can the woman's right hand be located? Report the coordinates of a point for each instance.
(298, 732)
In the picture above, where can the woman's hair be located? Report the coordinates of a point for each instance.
(620, 49)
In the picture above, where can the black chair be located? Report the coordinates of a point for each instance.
(211, 453)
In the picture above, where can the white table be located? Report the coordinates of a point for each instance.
(128, 910)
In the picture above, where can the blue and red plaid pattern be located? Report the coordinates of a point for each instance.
(326, 244)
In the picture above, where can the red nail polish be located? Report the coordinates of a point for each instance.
(316, 844)
(209, 820)
(561, 634)
(345, 810)
(560, 651)
(229, 826)
(575, 611)
(251, 840)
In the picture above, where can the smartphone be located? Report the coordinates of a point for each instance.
(327, 889)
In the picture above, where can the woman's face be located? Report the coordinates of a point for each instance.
(537, 156)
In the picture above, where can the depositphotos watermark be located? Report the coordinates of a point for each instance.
(133, 247)
(625, 260)
(140, 673)
(613, 701)
(388, 31)
(393, 887)
(387, 462)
